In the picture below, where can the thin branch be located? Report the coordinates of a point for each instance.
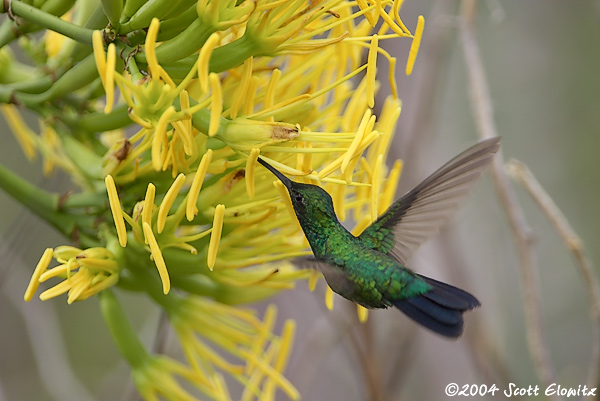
(482, 110)
(521, 173)
(368, 358)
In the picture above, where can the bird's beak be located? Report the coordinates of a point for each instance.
(286, 181)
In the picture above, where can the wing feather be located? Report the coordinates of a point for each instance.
(421, 212)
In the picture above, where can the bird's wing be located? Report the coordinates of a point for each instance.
(419, 214)
(334, 275)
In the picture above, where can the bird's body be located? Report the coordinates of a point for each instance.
(353, 270)
(371, 269)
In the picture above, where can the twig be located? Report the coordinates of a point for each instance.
(368, 358)
(482, 110)
(521, 173)
(159, 347)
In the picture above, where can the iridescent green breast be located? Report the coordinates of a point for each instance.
(367, 277)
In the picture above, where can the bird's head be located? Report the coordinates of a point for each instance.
(308, 200)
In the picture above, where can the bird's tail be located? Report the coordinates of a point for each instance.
(440, 309)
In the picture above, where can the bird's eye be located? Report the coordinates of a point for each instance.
(299, 198)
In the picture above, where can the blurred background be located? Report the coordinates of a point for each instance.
(541, 60)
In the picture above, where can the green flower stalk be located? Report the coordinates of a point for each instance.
(158, 111)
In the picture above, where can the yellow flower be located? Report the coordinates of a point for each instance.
(84, 273)
(159, 378)
(196, 110)
(172, 198)
(258, 355)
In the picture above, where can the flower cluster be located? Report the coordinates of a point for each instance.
(158, 111)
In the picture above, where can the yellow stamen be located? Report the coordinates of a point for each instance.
(50, 137)
(392, 77)
(283, 383)
(159, 261)
(362, 225)
(190, 208)
(396, 11)
(57, 290)
(150, 49)
(414, 47)
(107, 265)
(99, 55)
(386, 17)
(186, 132)
(204, 59)
(79, 284)
(388, 195)
(249, 101)
(41, 267)
(242, 88)
(167, 202)
(386, 125)
(56, 271)
(363, 313)
(100, 286)
(282, 107)
(264, 330)
(375, 185)
(286, 198)
(22, 132)
(220, 387)
(285, 169)
(109, 81)
(64, 253)
(287, 339)
(329, 298)
(139, 121)
(285, 346)
(372, 71)
(215, 236)
(362, 4)
(271, 89)
(331, 167)
(312, 279)
(115, 207)
(149, 204)
(351, 153)
(249, 176)
(159, 149)
(338, 196)
(216, 107)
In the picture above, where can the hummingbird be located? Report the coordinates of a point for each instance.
(371, 269)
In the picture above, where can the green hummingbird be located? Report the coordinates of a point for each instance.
(370, 269)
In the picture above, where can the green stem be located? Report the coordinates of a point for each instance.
(223, 58)
(235, 53)
(143, 275)
(40, 202)
(36, 85)
(52, 22)
(201, 121)
(183, 45)
(100, 122)
(85, 200)
(88, 163)
(121, 330)
(82, 74)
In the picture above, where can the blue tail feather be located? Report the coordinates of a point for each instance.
(439, 309)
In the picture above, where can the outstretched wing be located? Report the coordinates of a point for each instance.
(419, 214)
